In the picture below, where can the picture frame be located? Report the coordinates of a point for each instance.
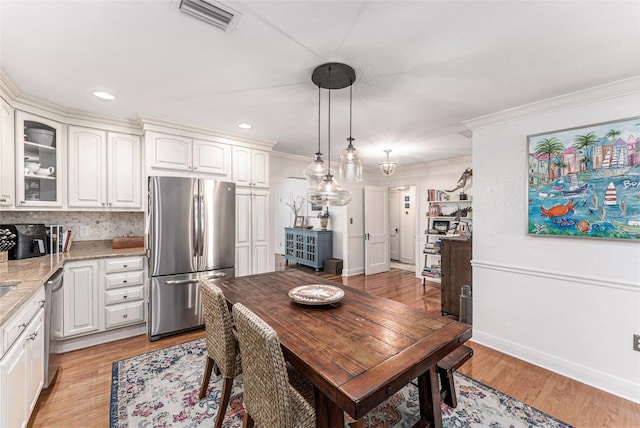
(441, 226)
(585, 181)
(315, 207)
(299, 222)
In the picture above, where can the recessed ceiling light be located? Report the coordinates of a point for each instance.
(104, 95)
(244, 125)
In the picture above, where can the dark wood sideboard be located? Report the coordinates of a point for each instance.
(456, 272)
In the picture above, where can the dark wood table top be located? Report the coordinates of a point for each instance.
(357, 352)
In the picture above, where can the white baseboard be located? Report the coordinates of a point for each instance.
(88, 340)
(612, 384)
(352, 272)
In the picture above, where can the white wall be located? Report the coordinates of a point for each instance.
(568, 304)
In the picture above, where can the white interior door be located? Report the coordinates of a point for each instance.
(376, 243)
(394, 225)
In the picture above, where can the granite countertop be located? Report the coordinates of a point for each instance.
(30, 274)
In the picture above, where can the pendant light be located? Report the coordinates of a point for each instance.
(387, 167)
(350, 163)
(315, 172)
(328, 191)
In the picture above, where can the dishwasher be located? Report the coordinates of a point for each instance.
(52, 324)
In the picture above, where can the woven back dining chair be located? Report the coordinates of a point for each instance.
(222, 346)
(274, 396)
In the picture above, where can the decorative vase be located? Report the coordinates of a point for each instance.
(324, 221)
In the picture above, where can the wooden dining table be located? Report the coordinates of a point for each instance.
(357, 352)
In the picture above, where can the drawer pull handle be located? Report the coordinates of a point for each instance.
(124, 316)
(124, 297)
(32, 336)
(23, 325)
(124, 281)
(124, 266)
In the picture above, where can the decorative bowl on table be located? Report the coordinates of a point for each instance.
(316, 294)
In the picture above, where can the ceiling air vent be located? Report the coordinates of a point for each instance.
(212, 12)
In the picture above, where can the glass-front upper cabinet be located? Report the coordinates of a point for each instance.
(39, 146)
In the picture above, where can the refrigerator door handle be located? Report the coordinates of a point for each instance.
(195, 220)
(182, 282)
(201, 241)
(217, 275)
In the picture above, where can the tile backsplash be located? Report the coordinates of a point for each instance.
(85, 226)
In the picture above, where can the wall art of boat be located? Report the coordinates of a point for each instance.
(611, 195)
(574, 187)
(613, 172)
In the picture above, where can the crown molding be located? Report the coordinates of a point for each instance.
(153, 123)
(290, 156)
(616, 89)
(21, 101)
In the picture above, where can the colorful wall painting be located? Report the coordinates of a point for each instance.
(585, 182)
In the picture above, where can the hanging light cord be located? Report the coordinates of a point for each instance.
(329, 128)
(350, 112)
(318, 154)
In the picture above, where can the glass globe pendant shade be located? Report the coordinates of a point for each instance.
(350, 169)
(315, 172)
(387, 167)
(328, 192)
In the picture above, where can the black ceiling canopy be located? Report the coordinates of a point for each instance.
(341, 76)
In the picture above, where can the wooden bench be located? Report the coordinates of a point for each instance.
(446, 366)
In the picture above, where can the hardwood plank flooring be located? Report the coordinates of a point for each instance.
(80, 396)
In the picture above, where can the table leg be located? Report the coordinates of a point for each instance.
(429, 397)
(327, 413)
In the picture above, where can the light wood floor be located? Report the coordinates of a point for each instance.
(80, 396)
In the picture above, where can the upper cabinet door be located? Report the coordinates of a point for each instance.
(104, 169)
(169, 151)
(7, 158)
(212, 158)
(87, 168)
(40, 145)
(242, 166)
(260, 168)
(124, 178)
(250, 167)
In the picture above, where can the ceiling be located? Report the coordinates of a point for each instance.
(422, 67)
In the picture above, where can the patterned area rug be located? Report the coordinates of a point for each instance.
(160, 389)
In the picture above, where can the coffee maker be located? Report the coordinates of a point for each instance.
(30, 240)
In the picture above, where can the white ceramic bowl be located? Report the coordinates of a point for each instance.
(40, 136)
(32, 166)
(45, 171)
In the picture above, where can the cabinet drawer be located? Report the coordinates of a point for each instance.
(123, 265)
(16, 325)
(123, 295)
(118, 315)
(124, 280)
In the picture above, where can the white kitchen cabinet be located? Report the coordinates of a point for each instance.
(123, 292)
(80, 298)
(104, 169)
(250, 167)
(252, 231)
(7, 158)
(22, 366)
(171, 152)
(39, 163)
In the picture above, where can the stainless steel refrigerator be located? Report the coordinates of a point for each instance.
(191, 235)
